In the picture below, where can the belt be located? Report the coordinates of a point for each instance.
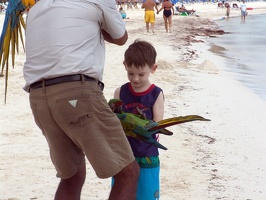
(64, 79)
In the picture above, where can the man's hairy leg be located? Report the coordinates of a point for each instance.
(148, 27)
(152, 27)
(70, 189)
(125, 183)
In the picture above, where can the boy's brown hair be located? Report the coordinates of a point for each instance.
(139, 54)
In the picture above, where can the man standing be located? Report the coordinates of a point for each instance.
(149, 6)
(65, 56)
(243, 9)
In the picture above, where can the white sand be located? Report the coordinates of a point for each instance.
(221, 159)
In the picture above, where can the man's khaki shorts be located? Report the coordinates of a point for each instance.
(76, 120)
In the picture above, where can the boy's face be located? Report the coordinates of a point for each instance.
(139, 77)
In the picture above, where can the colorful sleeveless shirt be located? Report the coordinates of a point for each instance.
(143, 101)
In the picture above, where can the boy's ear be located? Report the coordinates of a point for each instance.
(153, 69)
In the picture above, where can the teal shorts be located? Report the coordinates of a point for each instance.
(149, 178)
(123, 15)
(149, 184)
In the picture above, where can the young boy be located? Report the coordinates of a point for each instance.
(227, 13)
(140, 95)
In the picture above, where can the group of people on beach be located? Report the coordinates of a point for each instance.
(167, 6)
(242, 7)
(129, 4)
(151, 6)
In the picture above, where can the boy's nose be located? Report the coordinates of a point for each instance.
(135, 78)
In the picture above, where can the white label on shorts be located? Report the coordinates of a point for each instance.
(73, 103)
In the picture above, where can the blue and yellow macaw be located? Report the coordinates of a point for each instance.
(141, 128)
(11, 33)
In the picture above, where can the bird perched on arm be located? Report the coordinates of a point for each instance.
(140, 128)
(11, 32)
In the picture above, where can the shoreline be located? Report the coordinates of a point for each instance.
(220, 159)
(222, 54)
(228, 161)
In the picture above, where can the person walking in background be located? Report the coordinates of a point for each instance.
(243, 9)
(140, 95)
(63, 72)
(149, 16)
(168, 11)
(136, 4)
(123, 13)
(227, 10)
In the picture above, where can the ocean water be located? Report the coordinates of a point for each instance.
(245, 54)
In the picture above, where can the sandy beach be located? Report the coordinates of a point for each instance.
(224, 158)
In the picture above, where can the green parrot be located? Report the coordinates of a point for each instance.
(139, 127)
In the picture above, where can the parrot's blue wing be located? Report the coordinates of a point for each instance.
(136, 127)
(11, 32)
(146, 136)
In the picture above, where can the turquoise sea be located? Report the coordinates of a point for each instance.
(245, 54)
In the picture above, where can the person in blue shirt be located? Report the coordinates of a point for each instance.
(123, 13)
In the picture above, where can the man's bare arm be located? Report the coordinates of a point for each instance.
(156, 8)
(120, 41)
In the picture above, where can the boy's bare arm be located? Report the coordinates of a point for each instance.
(158, 108)
(117, 93)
